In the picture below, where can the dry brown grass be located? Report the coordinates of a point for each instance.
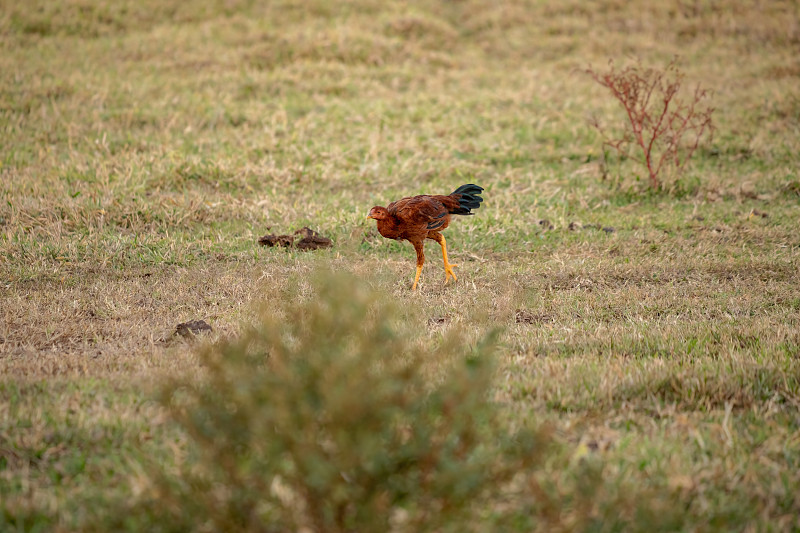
(147, 145)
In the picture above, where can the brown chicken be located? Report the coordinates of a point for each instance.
(417, 218)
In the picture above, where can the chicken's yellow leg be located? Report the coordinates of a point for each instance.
(448, 267)
(420, 261)
(416, 278)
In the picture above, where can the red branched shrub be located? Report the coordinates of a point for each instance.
(666, 127)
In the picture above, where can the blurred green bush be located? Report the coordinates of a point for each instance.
(326, 416)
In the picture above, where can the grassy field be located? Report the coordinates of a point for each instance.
(146, 146)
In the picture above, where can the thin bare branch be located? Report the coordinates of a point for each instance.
(663, 126)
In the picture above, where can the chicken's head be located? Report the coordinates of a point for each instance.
(378, 213)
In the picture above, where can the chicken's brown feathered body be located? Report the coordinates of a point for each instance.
(417, 218)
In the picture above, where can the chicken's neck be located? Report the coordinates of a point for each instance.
(389, 228)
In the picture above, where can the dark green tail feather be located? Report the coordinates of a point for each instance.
(470, 199)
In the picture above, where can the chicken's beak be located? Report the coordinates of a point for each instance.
(369, 217)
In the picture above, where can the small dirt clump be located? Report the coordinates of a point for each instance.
(308, 240)
(192, 328)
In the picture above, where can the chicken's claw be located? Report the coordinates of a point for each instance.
(448, 272)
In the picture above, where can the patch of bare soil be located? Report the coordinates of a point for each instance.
(524, 316)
